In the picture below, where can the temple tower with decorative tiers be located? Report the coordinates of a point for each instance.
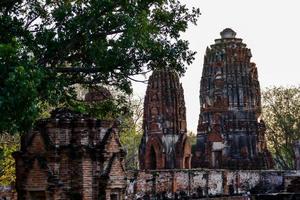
(72, 156)
(230, 131)
(164, 143)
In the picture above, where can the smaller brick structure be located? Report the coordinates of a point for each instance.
(71, 156)
(164, 143)
(97, 94)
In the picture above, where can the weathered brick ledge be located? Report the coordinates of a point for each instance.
(206, 182)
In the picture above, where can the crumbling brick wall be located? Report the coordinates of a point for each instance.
(202, 182)
(71, 156)
(8, 193)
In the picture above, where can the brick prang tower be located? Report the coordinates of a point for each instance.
(230, 134)
(72, 156)
(164, 143)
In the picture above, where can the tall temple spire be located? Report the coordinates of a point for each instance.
(164, 144)
(230, 134)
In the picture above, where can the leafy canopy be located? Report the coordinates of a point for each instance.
(46, 46)
(106, 40)
(281, 112)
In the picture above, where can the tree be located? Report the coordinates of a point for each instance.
(8, 145)
(281, 112)
(131, 132)
(47, 46)
(25, 89)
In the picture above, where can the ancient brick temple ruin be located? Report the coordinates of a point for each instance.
(164, 144)
(71, 156)
(230, 133)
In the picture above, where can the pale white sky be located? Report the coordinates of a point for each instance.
(270, 28)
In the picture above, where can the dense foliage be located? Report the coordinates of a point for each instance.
(47, 46)
(281, 112)
(25, 89)
(8, 145)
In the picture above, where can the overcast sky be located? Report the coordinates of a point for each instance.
(270, 28)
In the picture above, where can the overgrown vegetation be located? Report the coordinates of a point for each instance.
(8, 145)
(48, 46)
(281, 113)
